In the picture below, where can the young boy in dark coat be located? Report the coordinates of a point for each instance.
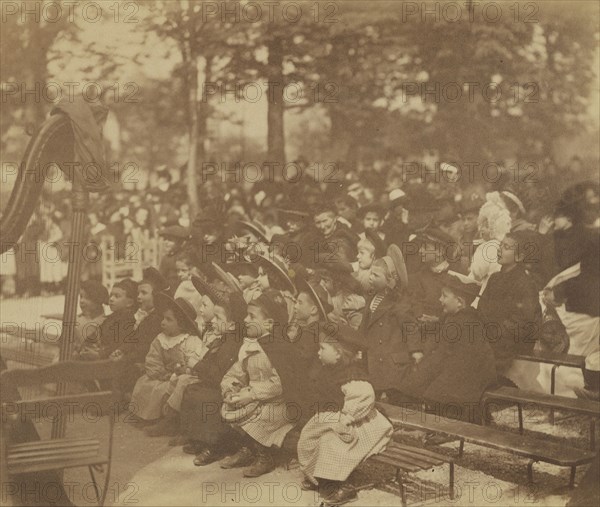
(509, 305)
(388, 325)
(454, 375)
(118, 327)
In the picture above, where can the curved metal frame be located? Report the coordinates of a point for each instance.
(39, 154)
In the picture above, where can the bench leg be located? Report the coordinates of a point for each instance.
(530, 471)
(401, 486)
(552, 389)
(451, 480)
(520, 409)
(572, 478)
(592, 434)
(461, 448)
(96, 490)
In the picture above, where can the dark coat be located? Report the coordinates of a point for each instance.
(391, 335)
(511, 312)
(116, 330)
(459, 369)
(200, 411)
(425, 287)
(137, 346)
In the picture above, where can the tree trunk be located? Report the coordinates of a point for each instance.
(192, 190)
(275, 125)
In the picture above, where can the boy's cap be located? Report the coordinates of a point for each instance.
(95, 291)
(273, 304)
(394, 260)
(182, 308)
(153, 277)
(129, 286)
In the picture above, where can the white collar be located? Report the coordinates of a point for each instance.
(169, 342)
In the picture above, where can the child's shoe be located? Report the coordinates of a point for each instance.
(263, 464)
(242, 458)
(206, 457)
(341, 495)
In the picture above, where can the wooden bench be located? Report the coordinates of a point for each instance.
(406, 459)
(527, 447)
(556, 360)
(523, 397)
(59, 452)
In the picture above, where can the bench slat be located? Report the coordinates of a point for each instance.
(482, 435)
(26, 454)
(396, 463)
(587, 407)
(22, 468)
(570, 360)
(62, 442)
(419, 450)
(421, 461)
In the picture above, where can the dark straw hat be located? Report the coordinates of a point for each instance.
(182, 308)
(318, 294)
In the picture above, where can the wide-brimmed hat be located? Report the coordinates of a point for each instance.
(222, 296)
(318, 294)
(396, 265)
(276, 271)
(182, 308)
(242, 226)
(153, 277)
(229, 280)
(461, 285)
